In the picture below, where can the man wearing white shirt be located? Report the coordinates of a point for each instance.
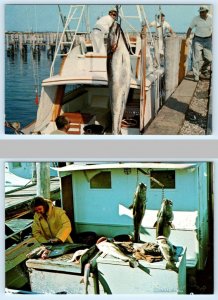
(202, 42)
(161, 24)
(162, 28)
(101, 28)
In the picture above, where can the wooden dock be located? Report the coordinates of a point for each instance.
(172, 114)
(17, 202)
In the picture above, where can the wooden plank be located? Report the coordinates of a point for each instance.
(60, 263)
(27, 194)
(17, 254)
(18, 224)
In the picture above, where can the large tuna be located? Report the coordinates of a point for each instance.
(119, 74)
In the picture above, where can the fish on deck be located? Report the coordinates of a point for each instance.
(109, 248)
(85, 279)
(139, 207)
(50, 250)
(169, 252)
(119, 74)
(77, 256)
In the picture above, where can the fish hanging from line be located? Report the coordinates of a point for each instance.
(119, 74)
(139, 207)
(163, 229)
(164, 219)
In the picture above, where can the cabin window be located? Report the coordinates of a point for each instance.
(167, 178)
(16, 164)
(101, 181)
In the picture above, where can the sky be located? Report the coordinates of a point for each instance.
(38, 17)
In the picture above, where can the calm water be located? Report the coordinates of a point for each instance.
(21, 80)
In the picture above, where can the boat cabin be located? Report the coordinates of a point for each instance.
(97, 198)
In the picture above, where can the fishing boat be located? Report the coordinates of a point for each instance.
(27, 170)
(13, 181)
(80, 89)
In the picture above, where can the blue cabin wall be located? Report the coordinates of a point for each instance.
(101, 205)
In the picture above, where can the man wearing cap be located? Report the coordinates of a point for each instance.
(202, 42)
(100, 29)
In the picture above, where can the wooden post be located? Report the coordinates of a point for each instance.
(143, 77)
(43, 179)
(34, 176)
(57, 103)
(183, 60)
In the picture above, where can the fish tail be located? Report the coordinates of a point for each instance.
(172, 266)
(133, 263)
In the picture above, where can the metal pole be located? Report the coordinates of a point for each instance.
(143, 77)
(34, 176)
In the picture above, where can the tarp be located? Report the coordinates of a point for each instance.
(44, 112)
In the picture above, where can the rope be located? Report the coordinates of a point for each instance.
(137, 180)
(163, 196)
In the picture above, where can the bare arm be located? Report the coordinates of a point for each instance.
(188, 32)
(172, 32)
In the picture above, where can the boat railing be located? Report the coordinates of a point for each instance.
(68, 36)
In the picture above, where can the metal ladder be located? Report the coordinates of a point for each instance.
(74, 19)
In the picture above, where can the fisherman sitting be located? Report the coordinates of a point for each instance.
(101, 28)
(62, 124)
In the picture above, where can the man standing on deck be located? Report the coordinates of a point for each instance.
(162, 29)
(101, 28)
(202, 43)
(62, 124)
(162, 24)
(50, 223)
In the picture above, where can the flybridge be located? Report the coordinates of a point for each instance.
(74, 19)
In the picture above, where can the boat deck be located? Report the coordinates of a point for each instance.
(17, 201)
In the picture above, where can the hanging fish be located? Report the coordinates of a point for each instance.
(139, 207)
(119, 74)
(164, 219)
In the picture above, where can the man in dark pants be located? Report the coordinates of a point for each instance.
(202, 43)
